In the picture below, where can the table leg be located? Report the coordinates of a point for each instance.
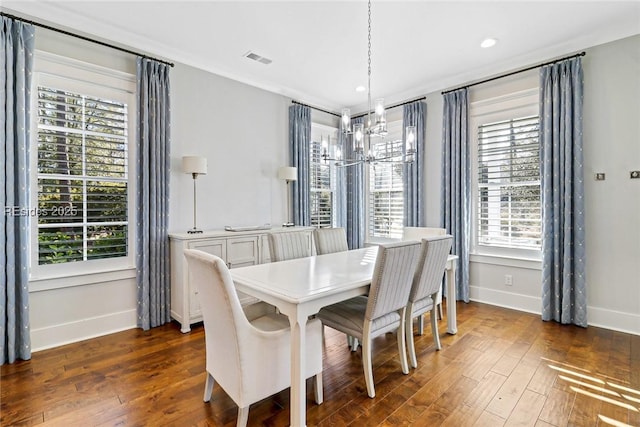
(298, 369)
(452, 324)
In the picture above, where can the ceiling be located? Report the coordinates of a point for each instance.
(319, 48)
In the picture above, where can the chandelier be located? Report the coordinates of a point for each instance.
(372, 127)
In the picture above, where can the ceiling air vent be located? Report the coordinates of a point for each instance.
(258, 58)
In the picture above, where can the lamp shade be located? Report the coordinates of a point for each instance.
(288, 173)
(194, 164)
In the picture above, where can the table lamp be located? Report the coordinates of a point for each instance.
(195, 165)
(288, 173)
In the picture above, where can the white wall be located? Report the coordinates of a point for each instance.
(611, 145)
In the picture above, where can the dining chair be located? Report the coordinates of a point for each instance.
(330, 240)
(250, 360)
(365, 318)
(419, 233)
(425, 288)
(289, 245)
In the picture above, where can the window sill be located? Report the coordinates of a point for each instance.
(507, 261)
(80, 279)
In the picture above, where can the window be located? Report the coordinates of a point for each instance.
(82, 177)
(82, 169)
(509, 183)
(506, 175)
(386, 197)
(322, 179)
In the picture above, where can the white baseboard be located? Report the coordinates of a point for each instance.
(66, 333)
(616, 320)
(597, 316)
(505, 299)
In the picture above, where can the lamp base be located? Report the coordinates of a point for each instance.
(194, 231)
(288, 224)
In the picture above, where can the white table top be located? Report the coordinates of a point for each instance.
(299, 280)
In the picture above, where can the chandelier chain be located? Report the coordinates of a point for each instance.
(369, 63)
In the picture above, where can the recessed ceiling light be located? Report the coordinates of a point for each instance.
(360, 88)
(488, 42)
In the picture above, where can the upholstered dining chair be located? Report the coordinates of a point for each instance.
(250, 360)
(330, 240)
(289, 245)
(419, 233)
(426, 286)
(383, 310)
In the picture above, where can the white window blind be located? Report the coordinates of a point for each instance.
(509, 184)
(82, 171)
(321, 188)
(386, 196)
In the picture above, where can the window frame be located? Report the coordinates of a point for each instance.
(505, 107)
(80, 77)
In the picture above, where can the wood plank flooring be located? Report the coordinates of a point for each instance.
(503, 368)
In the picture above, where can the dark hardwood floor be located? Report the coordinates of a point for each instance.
(503, 367)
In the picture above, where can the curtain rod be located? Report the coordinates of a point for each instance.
(533, 67)
(37, 24)
(400, 104)
(361, 115)
(316, 108)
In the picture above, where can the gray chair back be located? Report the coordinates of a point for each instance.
(330, 240)
(289, 245)
(392, 278)
(431, 266)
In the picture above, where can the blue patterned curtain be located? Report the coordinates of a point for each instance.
(16, 45)
(299, 147)
(455, 206)
(355, 195)
(414, 114)
(152, 201)
(564, 292)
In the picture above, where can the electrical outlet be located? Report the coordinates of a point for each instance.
(599, 176)
(508, 280)
(634, 174)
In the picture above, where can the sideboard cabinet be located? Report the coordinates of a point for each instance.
(235, 248)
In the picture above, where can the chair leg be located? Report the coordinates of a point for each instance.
(208, 387)
(366, 362)
(411, 349)
(434, 328)
(440, 311)
(402, 348)
(243, 417)
(318, 393)
(420, 325)
(354, 344)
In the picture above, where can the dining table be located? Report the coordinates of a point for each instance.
(300, 287)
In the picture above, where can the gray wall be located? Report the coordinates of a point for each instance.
(611, 145)
(243, 132)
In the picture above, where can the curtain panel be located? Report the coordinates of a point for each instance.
(414, 114)
(455, 204)
(564, 293)
(299, 148)
(152, 198)
(17, 48)
(355, 195)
